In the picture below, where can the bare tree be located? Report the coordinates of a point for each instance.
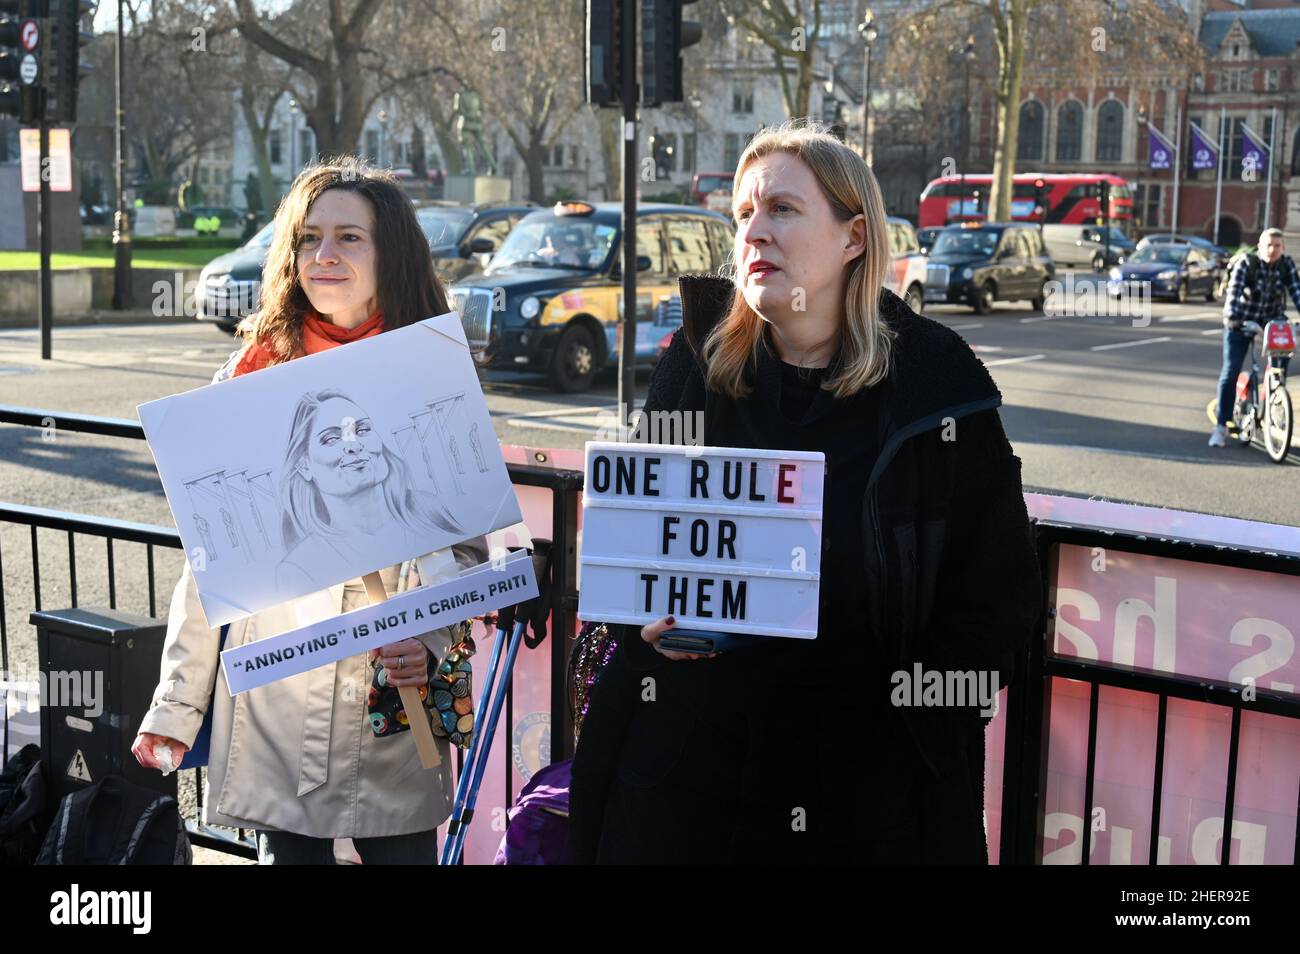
(790, 30)
(180, 109)
(334, 46)
(520, 56)
(1071, 43)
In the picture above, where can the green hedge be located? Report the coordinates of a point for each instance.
(194, 242)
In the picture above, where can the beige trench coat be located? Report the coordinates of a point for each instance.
(298, 755)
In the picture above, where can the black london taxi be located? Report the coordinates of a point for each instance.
(982, 263)
(550, 298)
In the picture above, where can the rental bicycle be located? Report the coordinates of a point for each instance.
(1263, 404)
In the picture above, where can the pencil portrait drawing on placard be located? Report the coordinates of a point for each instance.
(342, 483)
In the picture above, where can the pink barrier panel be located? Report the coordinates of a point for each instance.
(1226, 624)
(527, 735)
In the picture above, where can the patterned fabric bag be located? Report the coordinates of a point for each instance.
(451, 687)
(448, 696)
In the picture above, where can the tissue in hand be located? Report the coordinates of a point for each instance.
(163, 753)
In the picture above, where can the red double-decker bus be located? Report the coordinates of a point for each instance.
(1072, 198)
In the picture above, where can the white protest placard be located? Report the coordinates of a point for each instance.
(476, 591)
(724, 539)
(294, 478)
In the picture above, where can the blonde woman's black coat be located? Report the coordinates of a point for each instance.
(796, 752)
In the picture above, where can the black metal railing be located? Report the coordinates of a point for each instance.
(565, 487)
(1029, 695)
(1029, 700)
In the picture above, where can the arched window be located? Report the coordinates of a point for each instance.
(1031, 131)
(1069, 132)
(1110, 131)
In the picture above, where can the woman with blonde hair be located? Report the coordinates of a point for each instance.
(305, 760)
(806, 750)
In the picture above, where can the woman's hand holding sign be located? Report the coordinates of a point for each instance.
(653, 632)
(406, 662)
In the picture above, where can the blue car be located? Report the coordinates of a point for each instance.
(1176, 271)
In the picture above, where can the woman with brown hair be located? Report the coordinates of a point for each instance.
(298, 760)
(803, 750)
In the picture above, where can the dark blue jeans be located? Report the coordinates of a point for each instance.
(1236, 344)
(288, 848)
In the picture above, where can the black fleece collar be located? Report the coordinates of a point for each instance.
(933, 371)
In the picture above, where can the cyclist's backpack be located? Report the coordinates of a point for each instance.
(1252, 268)
(1252, 271)
(24, 807)
(115, 822)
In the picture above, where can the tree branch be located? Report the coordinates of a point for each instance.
(253, 30)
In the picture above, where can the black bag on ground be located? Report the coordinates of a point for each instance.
(115, 822)
(24, 807)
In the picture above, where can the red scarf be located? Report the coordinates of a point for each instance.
(317, 335)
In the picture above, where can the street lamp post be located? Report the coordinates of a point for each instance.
(967, 53)
(122, 297)
(695, 103)
(1140, 117)
(867, 29)
(293, 139)
(968, 57)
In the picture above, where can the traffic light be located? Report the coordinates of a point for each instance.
(663, 37)
(20, 50)
(66, 40)
(604, 52)
(1040, 198)
(1103, 197)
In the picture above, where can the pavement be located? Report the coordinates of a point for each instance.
(102, 316)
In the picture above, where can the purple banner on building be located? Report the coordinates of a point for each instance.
(1254, 151)
(1161, 149)
(1205, 155)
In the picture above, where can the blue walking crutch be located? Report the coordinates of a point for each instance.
(515, 619)
(471, 757)
(462, 814)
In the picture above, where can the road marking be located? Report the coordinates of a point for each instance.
(540, 424)
(182, 362)
(571, 412)
(980, 349)
(1212, 331)
(1022, 358)
(1129, 344)
(978, 324)
(1176, 458)
(1196, 317)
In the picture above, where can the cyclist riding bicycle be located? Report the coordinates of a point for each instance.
(1255, 297)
